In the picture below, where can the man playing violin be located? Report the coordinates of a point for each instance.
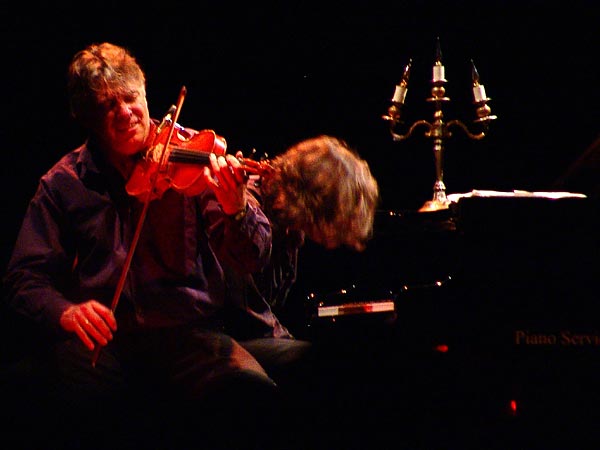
(84, 238)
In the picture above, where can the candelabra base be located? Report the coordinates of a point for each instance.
(433, 205)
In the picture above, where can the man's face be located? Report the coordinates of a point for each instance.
(123, 120)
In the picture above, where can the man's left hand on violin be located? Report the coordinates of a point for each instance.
(227, 178)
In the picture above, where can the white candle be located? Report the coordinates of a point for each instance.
(438, 73)
(402, 87)
(399, 94)
(479, 93)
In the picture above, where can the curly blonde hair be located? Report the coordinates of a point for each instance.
(327, 189)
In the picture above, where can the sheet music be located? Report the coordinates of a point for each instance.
(515, 193)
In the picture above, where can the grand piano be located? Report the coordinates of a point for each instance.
(526, 259)
(487, 311)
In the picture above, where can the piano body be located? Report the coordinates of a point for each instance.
(492, 305)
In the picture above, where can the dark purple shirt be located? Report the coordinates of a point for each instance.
(77, 232)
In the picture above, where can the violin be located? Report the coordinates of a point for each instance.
(181, 168)
(176, 160)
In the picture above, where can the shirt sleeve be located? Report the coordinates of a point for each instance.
(39, 262)
(243, 244)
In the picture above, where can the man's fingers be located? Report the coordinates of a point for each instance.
(83, 336)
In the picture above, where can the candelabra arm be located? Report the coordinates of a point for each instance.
(461, 125)
(400, 137)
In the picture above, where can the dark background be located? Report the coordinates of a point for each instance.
(267, 76)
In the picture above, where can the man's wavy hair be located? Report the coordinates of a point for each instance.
(100, 69)
(326, 186)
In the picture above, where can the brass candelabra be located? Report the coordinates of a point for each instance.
(438, 129)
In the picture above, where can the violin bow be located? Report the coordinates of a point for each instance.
(140, 223)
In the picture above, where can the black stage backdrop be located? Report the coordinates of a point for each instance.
(267, 76)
